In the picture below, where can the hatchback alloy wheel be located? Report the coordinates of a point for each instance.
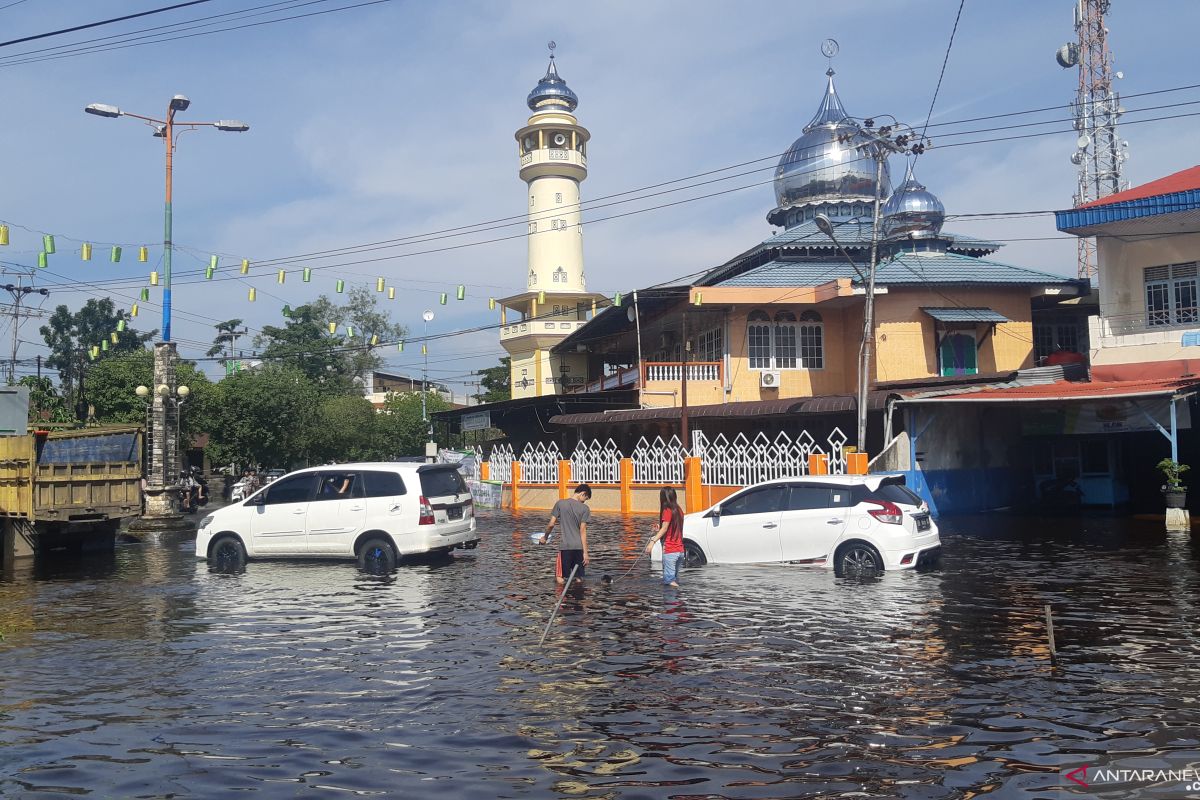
(858, 561)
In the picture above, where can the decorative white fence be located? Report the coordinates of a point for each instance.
(596, 463)
(501, 461)
(696, 371)
(743, 461)
(658, 461)
(539, 463)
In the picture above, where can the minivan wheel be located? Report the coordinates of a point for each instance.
(227, 554)
(377, 555)
(693, 556)
(857, 560)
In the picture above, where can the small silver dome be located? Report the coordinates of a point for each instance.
(552, 92)
(913, 210)
(818, 167)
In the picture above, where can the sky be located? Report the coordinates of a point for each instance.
(395, 120)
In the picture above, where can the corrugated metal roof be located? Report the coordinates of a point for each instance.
(806, 234)
(1078, 219)
(905, 270)
(965, 314)
(1182, 181)
(1071, 390)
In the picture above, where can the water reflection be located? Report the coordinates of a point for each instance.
(143, 673)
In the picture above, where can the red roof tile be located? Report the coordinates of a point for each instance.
(1078, 390)
(1180, 181)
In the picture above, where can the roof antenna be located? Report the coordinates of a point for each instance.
(829, 49)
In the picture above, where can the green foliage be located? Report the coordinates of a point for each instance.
(1173, 472)
(223, 342)
(264, 417)
(347, 429)
(361, 312)
(45, 402)
(494, 381)
(113, 381)
(401, 425)
(70, 334)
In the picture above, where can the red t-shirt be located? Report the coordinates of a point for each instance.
(672, 540)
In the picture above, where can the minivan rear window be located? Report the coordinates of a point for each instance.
(382, 484)
(441, 482)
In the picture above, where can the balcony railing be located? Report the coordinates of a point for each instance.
(1123, 330)
(562, 327)
(673, 371)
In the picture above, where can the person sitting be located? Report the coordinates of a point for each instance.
(336, 486)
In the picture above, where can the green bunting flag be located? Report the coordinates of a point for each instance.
(104, 345)
(307, 274)
(341, 285)
(443, 298)
(121, 325)
(48, 243)
(287, 311)
(617, 299)
(41, 260)
(400, 346)
(145, 295)
(462, 292)
(349, 331)
(208, 272)
(115, 256)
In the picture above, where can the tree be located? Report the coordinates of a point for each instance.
(113, 381)
(495, 382)
(348, 429)
(263, 416)
(45, 403)
(401, 426)
(362, 312)
(304, 344)
(70, 335)
(223, 342)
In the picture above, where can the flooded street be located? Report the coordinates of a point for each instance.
(142, 674)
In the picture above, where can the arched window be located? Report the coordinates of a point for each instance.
(758, 333)
(812, 341)
(785, 340)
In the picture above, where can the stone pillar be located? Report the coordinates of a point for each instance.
(162, 467)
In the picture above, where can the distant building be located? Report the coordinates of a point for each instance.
(378, 385)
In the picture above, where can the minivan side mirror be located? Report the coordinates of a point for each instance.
(715, 512)
(259, 499)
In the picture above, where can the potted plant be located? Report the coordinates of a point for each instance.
(1174, 492)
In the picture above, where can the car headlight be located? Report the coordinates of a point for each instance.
(204, 522)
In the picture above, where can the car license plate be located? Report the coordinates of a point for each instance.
(456, 512)
(923, 522)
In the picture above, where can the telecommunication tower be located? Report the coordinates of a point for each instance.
(1099, 151)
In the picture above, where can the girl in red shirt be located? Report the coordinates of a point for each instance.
(670, 531)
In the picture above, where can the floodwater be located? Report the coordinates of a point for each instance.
(142, 674)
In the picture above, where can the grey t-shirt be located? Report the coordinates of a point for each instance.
(571, 514)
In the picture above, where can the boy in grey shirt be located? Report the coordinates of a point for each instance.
(573, 514)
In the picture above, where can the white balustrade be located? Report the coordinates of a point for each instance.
(746, 461)
(500, 463)
(658, 461)
(696, 371)
(596, 463)
(539, 463)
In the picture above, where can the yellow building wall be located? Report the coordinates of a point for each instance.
(837, 376)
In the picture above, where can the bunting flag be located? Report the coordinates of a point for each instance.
(133, 310)
(287, 310)
(245, 266)
(281, 274)
(400, 346)
(114, 337)
(424, 350)
(85, 252)
(541, 298)
(252, 295)
(104, 345)
(3, 234)
(121, 325)
(307, 274)
(379, 283)
(341, 285)
(374, 339)
(593, 308)
(617, 300)
(92, 354)
(212, 263)
(462, 292)
(443, 299)
(48, 242)
(145, 295)
(154, 278)
(699, 298)
(41, 260)
(143, 253)
(333, 327)
(350, 331)
(491, 304)
(208, 272)
(391, 293)
(115, 256)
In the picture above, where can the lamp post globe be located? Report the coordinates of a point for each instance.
(183, 392)
(142, 391)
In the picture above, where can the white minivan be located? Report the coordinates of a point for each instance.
(372, 512)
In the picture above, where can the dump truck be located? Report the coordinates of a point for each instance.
(68, 489)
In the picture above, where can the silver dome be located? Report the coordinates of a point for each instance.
(913, 210)
(552, 92)
(818, 167)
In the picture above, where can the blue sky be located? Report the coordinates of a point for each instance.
(396, 119)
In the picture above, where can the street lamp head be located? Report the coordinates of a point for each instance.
(103, 110)
(825, 225)
(163, 390)
(232, 125)
(183, 392)
(180, 103)
(160, 131)
(142, 391)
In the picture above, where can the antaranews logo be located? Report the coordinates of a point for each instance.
(1078, 775)
(1185, 778)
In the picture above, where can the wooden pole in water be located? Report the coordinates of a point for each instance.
(1050, 634)
(574, 569)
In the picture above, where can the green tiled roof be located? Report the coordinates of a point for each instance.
(965, 315)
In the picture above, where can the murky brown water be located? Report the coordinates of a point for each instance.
(140, 674)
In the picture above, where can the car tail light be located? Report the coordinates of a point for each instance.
(426, 512)
(888, 512)
(908, 557)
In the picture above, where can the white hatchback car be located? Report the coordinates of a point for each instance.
(858, 524)
(374, 512)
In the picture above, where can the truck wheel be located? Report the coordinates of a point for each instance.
(377, 556)
(227, 555)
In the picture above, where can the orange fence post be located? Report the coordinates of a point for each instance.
(693, 498)
(626, 485)
(564, 478)
(818, 464)
(485, 470)
(516, 484)
(856, 463)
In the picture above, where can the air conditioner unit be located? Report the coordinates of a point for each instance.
(769, 379)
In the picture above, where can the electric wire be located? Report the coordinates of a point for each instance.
(86, 26)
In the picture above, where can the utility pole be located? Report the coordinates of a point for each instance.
(18, 292)
(1100, 152)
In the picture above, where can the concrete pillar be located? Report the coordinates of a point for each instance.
(485, 471)
(564, 479)
(693, 494)
(162, 468)
(818, 464)
(626, 472)
(516, 485)
(16, 542)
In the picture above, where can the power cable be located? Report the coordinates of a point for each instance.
(945, 60)
(61, 31)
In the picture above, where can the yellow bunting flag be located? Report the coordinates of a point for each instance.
(307, 274)
(92, 354)
(541, 298)
(491, 304)
(120, 325)
(253, 294)
(593, 307)
(391, 293)
(115, 256)
(208, 272)
(281, 275)
(3, 234)
(379, 283)
(443, 298)
(333, 327)
(154, 279)
(374, 339)
(143, 253)
(41, 260)
(48, 243)
(133, 310)
(114, 337)
(699, 298)
(462, 292)
(341, 285)
(245, 266)
(85, 252)
(424, 350)
(145, 293)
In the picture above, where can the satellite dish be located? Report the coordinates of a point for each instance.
(1067, 56)
(630, 314)
(1083, 142)
(829, 48)
(1077, 158)
(1120, 75)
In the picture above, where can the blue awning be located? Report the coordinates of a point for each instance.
(965, 315)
